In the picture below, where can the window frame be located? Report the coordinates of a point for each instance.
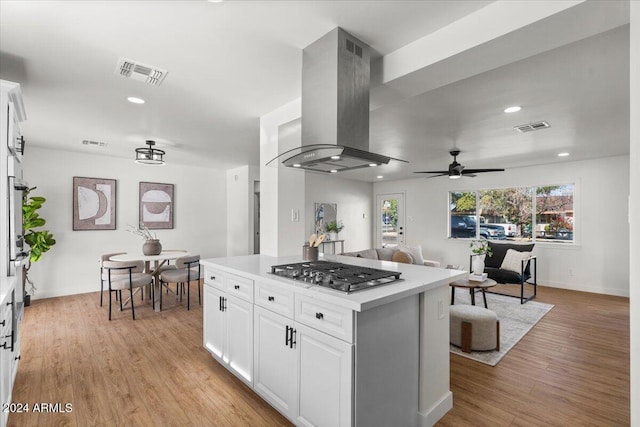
(534, 214)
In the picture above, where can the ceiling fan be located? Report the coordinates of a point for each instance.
(456, 170)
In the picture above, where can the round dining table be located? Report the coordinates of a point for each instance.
(158, 261)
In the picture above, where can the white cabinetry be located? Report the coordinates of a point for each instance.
(305, 373)
(318, 360)
(228, 322)
(325, 378)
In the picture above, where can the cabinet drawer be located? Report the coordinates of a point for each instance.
(215, 278)
(240, 287)
(275, 298)
(336, 321)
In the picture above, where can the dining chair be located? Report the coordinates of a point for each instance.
(103, 274)
(126, 275)
(187, 270)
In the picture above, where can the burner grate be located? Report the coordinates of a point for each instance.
(335, 275)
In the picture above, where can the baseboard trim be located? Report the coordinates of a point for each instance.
(583, 288)
(439, 410)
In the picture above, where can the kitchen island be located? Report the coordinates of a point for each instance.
(375, 357)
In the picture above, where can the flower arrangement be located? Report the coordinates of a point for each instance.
(334, 227)
(480, 247)
(143, 232)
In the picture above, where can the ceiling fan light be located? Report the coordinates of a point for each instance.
(454, 176)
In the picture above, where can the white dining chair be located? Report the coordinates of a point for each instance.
(103, 274)
(126, 275)
(187, 270)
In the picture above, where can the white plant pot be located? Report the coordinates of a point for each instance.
(477, 264)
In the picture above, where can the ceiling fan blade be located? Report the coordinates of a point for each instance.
(467, 171)
(440, 172)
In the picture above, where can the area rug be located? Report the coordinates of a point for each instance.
(515, 321)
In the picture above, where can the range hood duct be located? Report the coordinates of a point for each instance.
(335, 107)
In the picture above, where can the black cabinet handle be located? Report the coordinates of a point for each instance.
(213, 277)
(220, 303)
(286, 336)
(4, 322)
(293, 338)
(236, 287)
(18, 357)
(319, 316)
(3, 346)
(270, 298)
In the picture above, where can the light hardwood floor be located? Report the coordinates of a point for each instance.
(571, 369)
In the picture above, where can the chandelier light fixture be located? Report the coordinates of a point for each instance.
(149, 155)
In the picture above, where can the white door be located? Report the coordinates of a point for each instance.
(325, 370)
(239, 343)
(389, 220)
(275, 375)
(213, 321)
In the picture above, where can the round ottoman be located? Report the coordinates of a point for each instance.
(473, 328)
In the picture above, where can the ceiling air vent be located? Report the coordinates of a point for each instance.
(94, 143)
(532, 126)
(141, 72)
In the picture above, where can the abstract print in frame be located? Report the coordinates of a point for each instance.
(94, 204)
(156, 205)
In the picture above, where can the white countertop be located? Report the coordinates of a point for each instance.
(7, 284)
(414, 279)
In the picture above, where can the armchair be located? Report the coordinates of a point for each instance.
(512, 263)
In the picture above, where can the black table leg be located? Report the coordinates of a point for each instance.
(453, 293)
(484, 297)
(473, 296)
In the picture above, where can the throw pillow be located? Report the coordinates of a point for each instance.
(385, 254)
(403, 257)
(513, 260)
(416, 253)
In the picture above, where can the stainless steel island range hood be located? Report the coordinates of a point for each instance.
(335, 107)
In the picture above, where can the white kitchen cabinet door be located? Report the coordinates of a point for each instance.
(275, 362)
(238, 352)
(325, 383)
(213, 321)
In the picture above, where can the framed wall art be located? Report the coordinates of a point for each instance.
(156, 205)
(94, 203)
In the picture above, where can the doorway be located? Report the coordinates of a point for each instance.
(389, 220)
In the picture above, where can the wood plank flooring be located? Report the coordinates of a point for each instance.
(571, 369)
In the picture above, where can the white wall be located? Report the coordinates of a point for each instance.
(71, 266)
(240, 203)
(355, 203)
(599, 261)
(634, 214)
(281, 189)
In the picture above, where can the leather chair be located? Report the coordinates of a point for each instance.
(527, 273)
(126, 275)
(187, 270)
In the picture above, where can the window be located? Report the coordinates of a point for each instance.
(544, 213)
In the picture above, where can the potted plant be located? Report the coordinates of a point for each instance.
(151, 245)
(40, 241)
(333, 228)
(480, 249)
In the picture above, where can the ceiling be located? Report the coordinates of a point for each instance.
(230, 63)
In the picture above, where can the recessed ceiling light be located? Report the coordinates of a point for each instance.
(135, 100)
(564, 154)
(513, 109)
(215, 1)
(297, 165)
(333, 171)
(373, 164)
(379, 176)
(335, 157)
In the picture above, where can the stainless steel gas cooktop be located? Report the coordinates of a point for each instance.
(335, 275)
